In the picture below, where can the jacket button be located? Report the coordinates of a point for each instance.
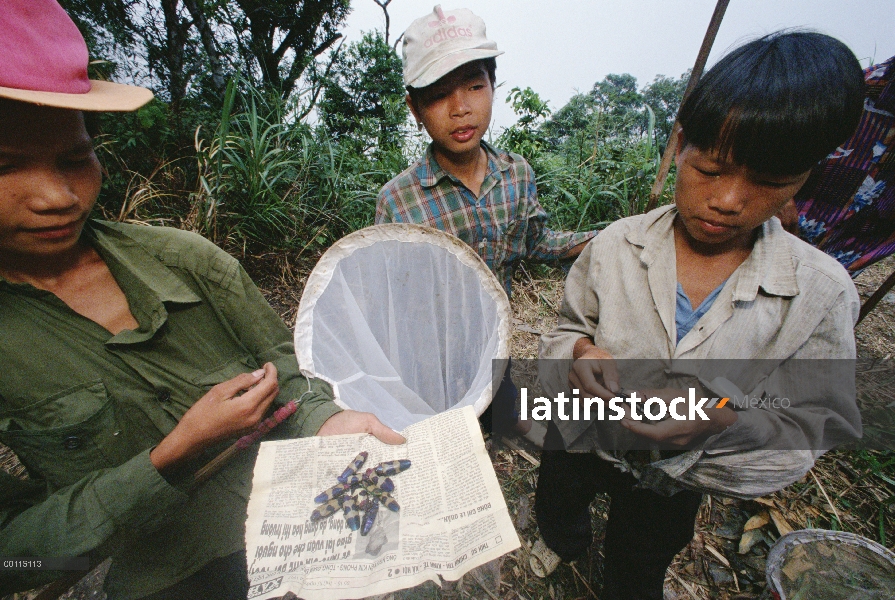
(72, 442)
(163, 396)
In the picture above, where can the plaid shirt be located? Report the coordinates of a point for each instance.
(504, 224)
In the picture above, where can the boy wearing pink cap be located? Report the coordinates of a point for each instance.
(462, 185)
(130, 354)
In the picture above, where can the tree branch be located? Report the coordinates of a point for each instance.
(218, 81)
(326, 73)
(384, 6)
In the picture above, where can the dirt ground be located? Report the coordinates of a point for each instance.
(847, 490)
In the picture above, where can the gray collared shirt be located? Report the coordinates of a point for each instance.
(787, 300)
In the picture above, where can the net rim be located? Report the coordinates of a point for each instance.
(799, 537)
(323, 271)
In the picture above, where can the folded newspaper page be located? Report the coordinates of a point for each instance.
(452, 516)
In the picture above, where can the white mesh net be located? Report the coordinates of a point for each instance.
(404, 321)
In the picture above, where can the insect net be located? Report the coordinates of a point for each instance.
(404, 321)
(817, 564)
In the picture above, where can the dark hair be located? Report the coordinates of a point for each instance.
(92, 120)
(778, 104)
(490, 65)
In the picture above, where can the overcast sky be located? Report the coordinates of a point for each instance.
(560, 47)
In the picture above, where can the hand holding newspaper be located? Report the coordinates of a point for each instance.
(453, 516)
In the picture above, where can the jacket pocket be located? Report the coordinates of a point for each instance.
(228, 370)
(64, 437)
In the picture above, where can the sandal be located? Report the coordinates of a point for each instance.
(543, 561)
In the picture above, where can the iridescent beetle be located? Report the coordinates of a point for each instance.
(361, 492)
(352, 468)
(325, 510)
(333, 492)
(370, 515)
(387, 501)
(352, 516)
(392, 467)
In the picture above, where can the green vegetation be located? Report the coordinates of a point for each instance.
(271, 134)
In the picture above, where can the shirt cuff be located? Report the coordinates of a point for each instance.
(142, 496)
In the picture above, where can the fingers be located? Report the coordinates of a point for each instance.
(261, 378)
(593, 362)
(650, 432)
(350, 421)
(385, 434)
(584, 377)
(265, 391)
(675, 433)
(610, 374)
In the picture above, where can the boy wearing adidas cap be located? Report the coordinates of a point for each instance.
(130, 354)
(462, 185)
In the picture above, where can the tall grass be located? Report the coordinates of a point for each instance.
(595, 177)
(256, 179)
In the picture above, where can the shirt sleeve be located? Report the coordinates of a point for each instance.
(384, 208)
(79, 519)
(263, 333)
(542, 243)
(769, 448)
(580, 310)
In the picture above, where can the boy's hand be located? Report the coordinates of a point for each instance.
(352, 421)
(594, 373)
(220, 414)
(679, 433)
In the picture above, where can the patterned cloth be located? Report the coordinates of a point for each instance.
(503, 224)
(847, 206)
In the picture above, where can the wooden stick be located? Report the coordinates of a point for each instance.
(584, 581)
(698, 67)
(60, 586)
(871, 303)
(482, 585)
(830, 502)
(215, 464)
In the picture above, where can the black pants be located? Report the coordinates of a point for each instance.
(643, 534)
(503, 412)
(224, 578)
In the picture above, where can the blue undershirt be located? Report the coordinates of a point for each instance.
(684, 316)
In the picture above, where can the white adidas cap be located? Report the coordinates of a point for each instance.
(440, 42)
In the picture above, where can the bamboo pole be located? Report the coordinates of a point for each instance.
(698, 67)
(215, 464)
(871, 303)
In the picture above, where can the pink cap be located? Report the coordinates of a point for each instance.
(42, 48)
(44, 61)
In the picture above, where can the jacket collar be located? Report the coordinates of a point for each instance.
(769, 267)
(147, 282)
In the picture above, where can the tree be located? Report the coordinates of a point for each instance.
(523, 137)
(278, 39)
(621, 104)
(363, 96)
(184, 47)
(664, 96)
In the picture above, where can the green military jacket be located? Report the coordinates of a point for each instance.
(82, 408)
